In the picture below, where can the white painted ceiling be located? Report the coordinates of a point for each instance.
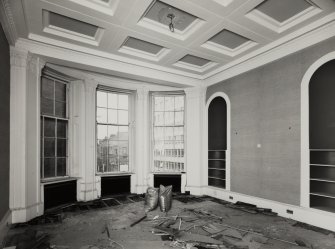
(209, 34)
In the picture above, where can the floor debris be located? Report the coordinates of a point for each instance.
(120, 222)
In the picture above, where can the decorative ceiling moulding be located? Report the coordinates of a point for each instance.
(143, 49)
(195, 63)
(158, 18)
(107, 7)
(229, 43)
(63, 26)
(225, 3)
(265, 14)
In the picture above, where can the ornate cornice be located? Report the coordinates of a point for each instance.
(7, 21)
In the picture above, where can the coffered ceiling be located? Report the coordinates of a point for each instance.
(208, 35)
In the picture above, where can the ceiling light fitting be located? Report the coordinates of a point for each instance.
(171, 26)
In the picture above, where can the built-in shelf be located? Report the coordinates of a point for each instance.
(323, 180)
(217, 169)
(217, 159)
(322, 194)
(216, 150)
(217, 178)
(323, 165)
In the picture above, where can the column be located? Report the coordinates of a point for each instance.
(90, 180)
(142, 142)
(25, 196)
(195, 106)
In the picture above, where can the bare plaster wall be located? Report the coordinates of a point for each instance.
(265, 111)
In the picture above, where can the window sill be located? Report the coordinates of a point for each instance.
(57, 180)
(115, 174)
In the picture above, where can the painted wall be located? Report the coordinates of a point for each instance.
(265, 125)
(4, 124)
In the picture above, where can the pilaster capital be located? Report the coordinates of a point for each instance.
(18, 57)
(142, 92)
(90, 85)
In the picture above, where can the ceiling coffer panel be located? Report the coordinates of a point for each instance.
(141, 45)
(283, 9)
(159, 12)
(74, 25)
(194, 60)
(229, 39)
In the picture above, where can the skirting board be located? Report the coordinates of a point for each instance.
(310, 216)
(4, 226)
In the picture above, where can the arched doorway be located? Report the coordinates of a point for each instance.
(218, 141)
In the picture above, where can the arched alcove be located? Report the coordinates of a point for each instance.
(317, 139)
(218, 141)
(322, 137)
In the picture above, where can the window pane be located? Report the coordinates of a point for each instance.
(159, 118)
(123, 133)
(178, 133)
(159, 103)
(112, 100)
(169, 103)
(102, 131)
(113, 149)
(61, 128)
(179, 103)
(124, 164)
(47, 88)
(168, 133)
(179, 118)
(101, 99)
(159, 148)
(123, 148)
(49, 167)
(60, 109)
(49, 147)
(102, 163)
(113, 164)
(102, 115)
(47, 106)
(112, 116)
(169, 118)
(159, 133)
(49, 127)
(61, 147)
(102, 147)
(123, 102)
(123, 117)
(60, 91)
(113, 132)
(61, 166)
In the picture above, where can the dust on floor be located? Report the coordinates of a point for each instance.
(192, 222)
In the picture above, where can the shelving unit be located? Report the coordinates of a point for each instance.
(217, 168)
(322, 179)
(217, 142)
